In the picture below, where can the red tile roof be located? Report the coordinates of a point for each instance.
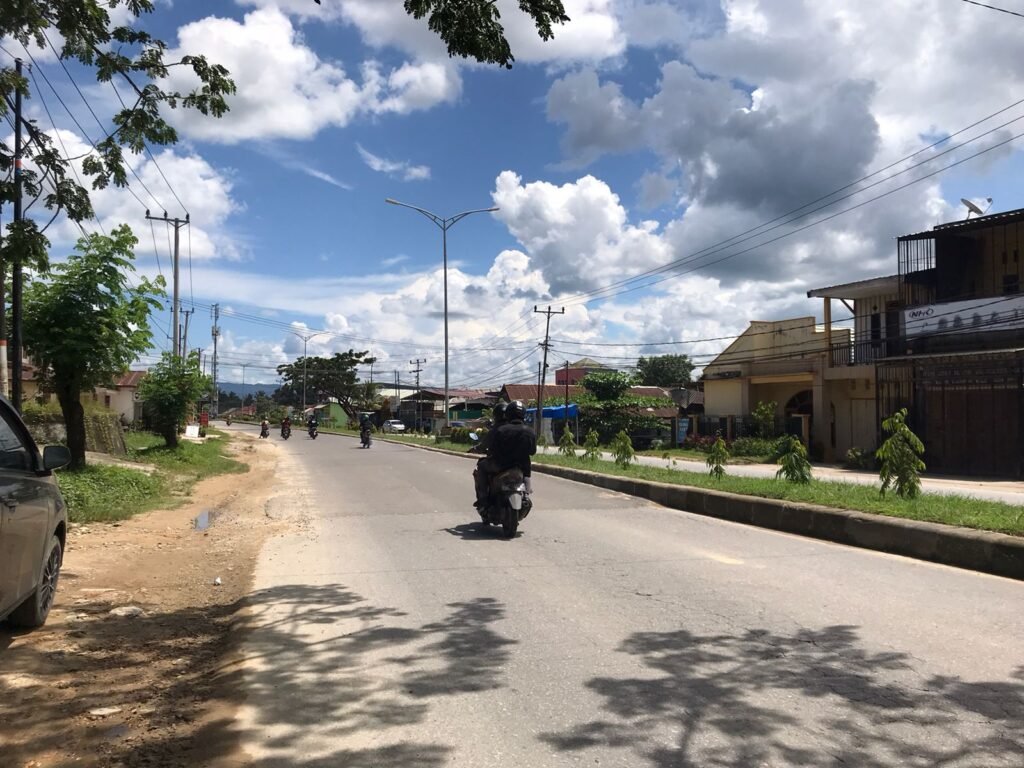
(130, 379)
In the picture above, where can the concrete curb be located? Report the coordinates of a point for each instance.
(984, 551)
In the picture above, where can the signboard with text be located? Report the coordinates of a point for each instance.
(997, 313)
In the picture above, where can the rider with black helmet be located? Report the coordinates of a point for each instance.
(485, 467)
(514, 442)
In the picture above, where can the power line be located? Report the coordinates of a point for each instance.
(672, 266)
(994, 8)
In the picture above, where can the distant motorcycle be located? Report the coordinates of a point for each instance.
(313, 431)
(265, 431)
(228, 421)
(286, 432)
(365, 438)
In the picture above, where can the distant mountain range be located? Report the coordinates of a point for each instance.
(247, 389)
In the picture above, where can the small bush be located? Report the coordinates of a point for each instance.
(752, 446)
(542, 441)
(717, 457)
(793, 460)
(567, 444)
(702, 443)
(622, 449)
(591, 446)
(858, 459)
(460, 435)
(657, 444)
(900, 455)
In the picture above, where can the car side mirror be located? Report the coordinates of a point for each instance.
(55, 457)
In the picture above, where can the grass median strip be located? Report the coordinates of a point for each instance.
(949, 510)
(104, 492)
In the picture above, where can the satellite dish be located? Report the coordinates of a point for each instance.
(972, 208)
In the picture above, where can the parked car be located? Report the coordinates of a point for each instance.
(33, 522)
(394, 425)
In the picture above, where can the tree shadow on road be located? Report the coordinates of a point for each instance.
(317, 658)
(813, 698)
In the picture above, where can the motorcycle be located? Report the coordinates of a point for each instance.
(265, 431)
(508, 502)
(228, 421)
(365, 438)
(286, 432)
(313, 431)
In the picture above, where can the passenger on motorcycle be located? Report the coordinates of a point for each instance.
(286, 424)
(514, 443)
(486, 468)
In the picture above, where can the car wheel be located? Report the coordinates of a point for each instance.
(33, 612)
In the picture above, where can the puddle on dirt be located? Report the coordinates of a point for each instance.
(204, 519)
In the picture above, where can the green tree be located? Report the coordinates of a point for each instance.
(622, 449)
(472, 28)
(607, 386)
(286, 394)
(717, 457)
(332, 377)
(764, 418)
(85, 325)
(664, 370)
(123, 53)
(591, 446)
(793, 462)
(900, 455)
(567, 443)
(170, 390)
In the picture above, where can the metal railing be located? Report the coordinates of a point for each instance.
(859, 352)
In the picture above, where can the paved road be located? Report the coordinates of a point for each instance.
(388, 630)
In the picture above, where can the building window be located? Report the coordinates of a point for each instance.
(1011, 284)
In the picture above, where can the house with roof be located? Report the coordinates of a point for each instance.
(122, 396)
(574, 373)
(424, 408)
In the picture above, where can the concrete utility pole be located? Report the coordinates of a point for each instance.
(184, 337)
(544, 367)
(16, 266)
(215, 332)
(179, 348)
(419, 398)
(305, 364)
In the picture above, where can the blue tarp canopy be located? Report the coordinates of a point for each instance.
(554, 412)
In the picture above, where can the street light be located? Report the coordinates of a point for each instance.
(305, 364)
(444, 225)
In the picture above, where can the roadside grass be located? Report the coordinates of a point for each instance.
(189, 462)
(692, 455)
(104, 492)
(948, 510)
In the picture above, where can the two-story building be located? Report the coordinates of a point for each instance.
(944, 338)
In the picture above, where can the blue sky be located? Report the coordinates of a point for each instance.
(645, 132)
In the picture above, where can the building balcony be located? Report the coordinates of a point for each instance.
(859, 352)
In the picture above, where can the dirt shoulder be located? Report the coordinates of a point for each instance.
(95, 688)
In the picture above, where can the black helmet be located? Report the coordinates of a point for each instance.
(515, 411)
(500, 412)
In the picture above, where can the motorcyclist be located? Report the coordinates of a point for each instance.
(365, 428)
(486, 467)
(312, 423)
(514, 443)
(264, 428)
(286, 425)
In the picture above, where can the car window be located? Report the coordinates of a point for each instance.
(13, 453)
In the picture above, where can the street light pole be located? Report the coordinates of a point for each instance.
(444, 224)
(305, 363)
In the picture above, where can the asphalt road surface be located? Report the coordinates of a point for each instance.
(390, 630)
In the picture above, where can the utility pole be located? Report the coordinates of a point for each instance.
(215, 332)
(244, 366)
(566, 414)
(179, 348)
(16, 266)
(184, 338)
(544, 367)
(419, 398)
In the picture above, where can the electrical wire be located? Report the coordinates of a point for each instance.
(994, 8)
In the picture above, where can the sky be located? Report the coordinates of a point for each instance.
(668, 139)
